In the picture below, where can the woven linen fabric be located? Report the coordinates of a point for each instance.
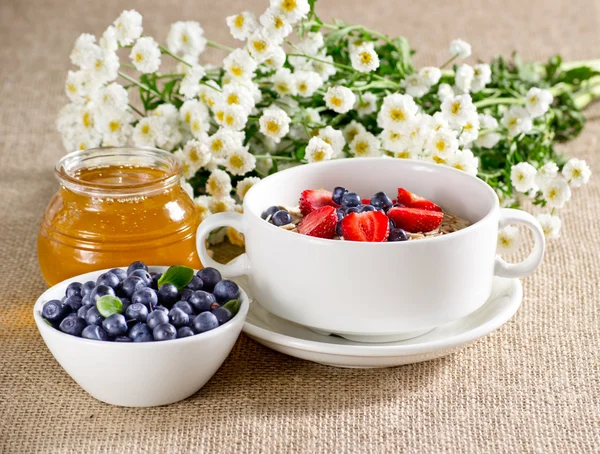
(532, 386)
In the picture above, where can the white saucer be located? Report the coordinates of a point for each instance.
(301, 342)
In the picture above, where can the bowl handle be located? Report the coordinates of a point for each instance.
(237, 267)
(527, 266)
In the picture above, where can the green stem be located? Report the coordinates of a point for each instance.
(275, 157)
(170, 76)
(219, 46)
(128, 65)
(141, 85)
(496, 101)
(450, 60)
(132, 107)
(164, 50)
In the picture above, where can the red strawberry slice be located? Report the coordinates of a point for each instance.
(415, 220)
(411, 200)
(366, 201)
(319, 223)
(372, 226)
(313, 199)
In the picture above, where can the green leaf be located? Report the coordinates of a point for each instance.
(578, 75)
(178, 275)
(232, 306)
(300, 153)
(108, 305)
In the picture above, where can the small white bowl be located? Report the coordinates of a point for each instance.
(144, 374)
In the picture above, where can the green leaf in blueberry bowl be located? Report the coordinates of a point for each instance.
(178, 275)
(232, 306)
(108, 305)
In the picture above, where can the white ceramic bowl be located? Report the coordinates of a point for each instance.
(373, 291)
(139, 374)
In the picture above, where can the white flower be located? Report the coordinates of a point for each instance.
(522, 177)
(222, 204)
(442, 144)
(464, 78)
(276, 25)
(318, 150)
(324, 67)
(274, 123)
(149, 132)
(277, 58)
(169, 114)
(210, 93)
(187, 38)
(431, 75)
(292, 10)
(231, 116)
(239, 161)
(84, 49)
(405, 149)
(460, 48)
(243, 186)
(538, 101)
(115, 127)
(365, 104)
(112, 96)
(219, 184)
(517, 120)
(283, 82)
(469, 132)
(145, 55)
(482, 75)
(464, 160)
(488, 140)
(224, 140)
(334, 138)
(415, 85)
(192, 108)
(393, 140)
(240, 65)
(365, 145)
(85, 116)
(128, 27)
(339, 99)
(190, 84)
(203, 206)
(311, 43)
(189, 168)
(238, 94)
(487, 121)
(102, 66)
(508, 239)
(197, 153)
(459, 110)
(75, 86)
(550, 225)
(108, 42)
(352, 129)
(546, 173)
(199, 125)
(397, 112)
(86, 139)
(577, 172)
(307, 82)
(260, 45)
(242, 25)
(444, 92)
(556, 192)
(364, 59)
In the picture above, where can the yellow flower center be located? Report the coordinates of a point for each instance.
(82, 146)
(362, 148)
(302, 87)
(188, 116)
(114, 126)
(87, 119)
(365, 58)
(272, 127)
(403, 154)
(278, 22)
(513, 122)
(99, 64)
(239, 21)
(439, 160)
(288, 5)
(220, 115)
(505, 241)
(233, 99)
(216, 145)
(283, 87)
(552, 193)
(394, 135)
(236, 161)
(335, 101)
(229, 119)
(145, 129)
(318, 155)
(219, 207)
(440, 145)
(327, 140)
(139, 57)
(576, 173)
(352, 133)
(186, 168)
(237, 71)
(259, 46)
(184, 38)
(196, 126)
(213, 186)
(194, 155)
(468, 127)
(455, 109)
(533, 99)
(397, 115)
(71, 88)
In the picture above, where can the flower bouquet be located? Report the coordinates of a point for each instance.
(298, 91)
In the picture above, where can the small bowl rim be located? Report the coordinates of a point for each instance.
(44, 327)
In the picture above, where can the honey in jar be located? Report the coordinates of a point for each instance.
(115, 206)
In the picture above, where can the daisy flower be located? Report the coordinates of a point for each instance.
(318, 150)
(128, 27)
(364, 59)
(168, 113)
(242, 25)
(517, 120)
(307, 82)
(274, 123)
(292, 10)
(276, 25)
(186, 38)
(522, 177)
(397, 111)
(224, 140)
(334, 138)
(235, 93)
(108, 41)
(197, 153)
(324, 67)
(209, 93)
(283, 82)
(85, 115)
(489, 139)
(577, 172)
(430, 74)
(189, 168)
(191, 108)
(482, 75)
(149, 132)
(339, 99)
(459, 110)
(115, 127)
(392, 140)
(222, 204)
(311, 116)
(546, 173)
(112, 96)
(365, 104)
(243, 186)
(311, 43)
(508, 239)
(83, 140)
(550, 225)
(556, 192)
(538, 101)
(231, 116)
(239, 161)
(364, 145)
(352, 129)
(202, 204)
(415, 85)
(260, 45)
(75, 86)
(219, 184)
(277, 58)
(463, 78)
(445, 91)
(85, 45)
(145, 55)
(442, 144)
(103, 66)
(240, 65)
(190, 84)
(464, 160)
(460, 48)
(470, 131)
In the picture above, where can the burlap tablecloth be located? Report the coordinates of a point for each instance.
(532, 386)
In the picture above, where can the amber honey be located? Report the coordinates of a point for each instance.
(115, 206)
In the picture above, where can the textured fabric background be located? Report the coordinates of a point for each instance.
(532, 386)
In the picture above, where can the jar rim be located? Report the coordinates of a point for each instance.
(91, 158)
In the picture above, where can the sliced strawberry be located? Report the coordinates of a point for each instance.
(319, 223)
(411, 200)
(372, 226)
(415, 220)
(366, 201)
(313, 199)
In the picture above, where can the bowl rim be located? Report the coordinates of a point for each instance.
(44, 328)
(480, 223)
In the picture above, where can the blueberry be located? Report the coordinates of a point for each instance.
(381, 200)
(168, 295)
(94, 332)
(178, 318)
(123, 339)
(93, 317)
(205, 322)
(364, 208)
(143, 275)
(74, 302)
(115, 325)
(136, 312)
(398, 205)
(155, 318)
(137, 330)
(72, 325)
(223, 315)
(397, 235)
(186, 293)
(131, 285)
(145, 296)
(352, 210)
(392, 224)
(136, 266)
(185, 331)
(210, 277)
(155, 278)
(100, 291)
(82, 312)
(74, 289)
(125, 302)
(280, 218)
(338, 229)
(340, 214)
(121, 274)
(184, 306)
(160, 308)
(87, 288)
(270, 212)
(87, 299)
(164, 331)
(54, 311)
(196, 283)
(226, 291)
(338, 194)
(109, 279)
(145, 337)
(351, 199)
